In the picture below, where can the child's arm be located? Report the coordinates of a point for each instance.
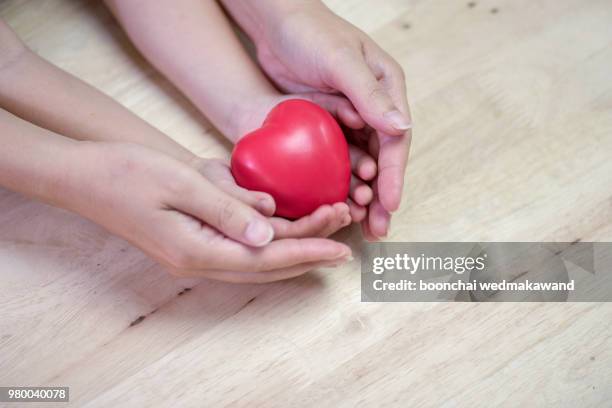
(35, 162)
(41, 93)
(191, 43)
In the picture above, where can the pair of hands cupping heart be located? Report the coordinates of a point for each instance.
(299, 156)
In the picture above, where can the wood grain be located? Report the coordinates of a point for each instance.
(512, 101)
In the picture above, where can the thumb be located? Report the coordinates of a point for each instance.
(354, 78)
(228, 215)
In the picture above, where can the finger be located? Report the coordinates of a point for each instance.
(262, 202)
(392, 159)
(195, 245)
(367, 233)
(360, 192)
(362, 164)
(357, 137)
(232, 255)
(323, 222)
(260, 277)
(374, 146)
(233, 218)
(340, 107)
(285, 253)
(308, 226)
(357, 212)
(392, 76)
(378, 219)
(342, 220)
(393, 154)
(219, 174)
(354, 78)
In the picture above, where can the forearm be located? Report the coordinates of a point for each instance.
(41, 93)
(36, 162)
(192, 43)
(256, 18)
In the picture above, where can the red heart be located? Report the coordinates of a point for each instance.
(299, 156)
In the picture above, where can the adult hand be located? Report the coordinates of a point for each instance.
(304, 47)
(184, 220)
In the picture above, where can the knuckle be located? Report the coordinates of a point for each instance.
(377, 93)
(213, 166)
(228, 186)
(226, 212)
(178, 183)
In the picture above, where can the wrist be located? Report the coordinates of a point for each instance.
(228, 109)
(74, 184)
(53, 180)
(248, 114)
(259, 18)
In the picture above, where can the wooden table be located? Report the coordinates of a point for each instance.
(512, 101)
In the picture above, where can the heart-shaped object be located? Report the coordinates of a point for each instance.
(299, 156)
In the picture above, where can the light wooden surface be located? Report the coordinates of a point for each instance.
(512, 101)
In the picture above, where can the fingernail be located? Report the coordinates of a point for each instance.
(258, 232)
(398, 120)
(346, 255)
(385, 233)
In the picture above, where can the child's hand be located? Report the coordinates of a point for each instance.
(251, 114)
(197, 224)
(304, 47)
(326, 220)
